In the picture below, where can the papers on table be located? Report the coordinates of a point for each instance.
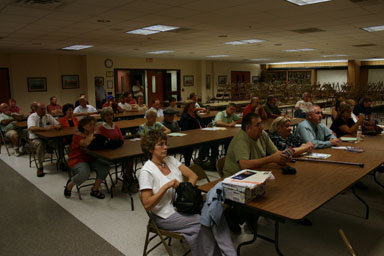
(348, 139)
(341, 147)
(249, 178)
(238, 125)
(351, 149)
(318, 155)
(177, 134)
(214, 129)
(135, 139)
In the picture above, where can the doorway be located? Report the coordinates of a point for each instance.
(4, 85)
(240, 81)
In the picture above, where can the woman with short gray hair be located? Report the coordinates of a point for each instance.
(151, 124)
(281, 135)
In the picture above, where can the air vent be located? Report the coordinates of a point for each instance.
(41, 4)
(37, 1)
(180, 30)
(307, 30)
(363, 45)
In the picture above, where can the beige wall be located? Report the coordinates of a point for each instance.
(88, 67)
(50, 66)
(332, 76)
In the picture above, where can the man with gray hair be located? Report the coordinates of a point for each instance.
(312, 130)
(37, 122)
(302, 106)
(7, 127)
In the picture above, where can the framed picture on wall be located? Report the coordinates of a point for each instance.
(99, 81)
(109, 84)
(109, 74)
(37, 84)
(222, 79)
(208, 81)
(188, 80)
(70, 81)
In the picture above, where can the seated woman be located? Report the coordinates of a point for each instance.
(344, 124)
(81, 163)
(191, 120)
(140, 106)
(111, 130)
(151, 124)
(158, 179)
(113, 104)
(281, 135)
(68, 120)
(335, 110)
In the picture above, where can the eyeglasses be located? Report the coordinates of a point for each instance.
(162, 144)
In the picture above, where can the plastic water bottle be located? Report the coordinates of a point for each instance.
(359, 132)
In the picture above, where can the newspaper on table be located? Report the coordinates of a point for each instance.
(246, 185)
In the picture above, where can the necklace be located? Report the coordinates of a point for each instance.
(162, 164)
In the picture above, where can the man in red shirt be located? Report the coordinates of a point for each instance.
(255, 107)
(53, 108)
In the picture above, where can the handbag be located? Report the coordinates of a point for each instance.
(188, 199)
(102, 142)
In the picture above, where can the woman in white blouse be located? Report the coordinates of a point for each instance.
(158, 179)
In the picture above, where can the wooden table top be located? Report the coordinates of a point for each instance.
(314, 184)
(193, 137)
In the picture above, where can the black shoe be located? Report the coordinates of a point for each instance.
(305, 222)
(232, 224)
(40, 172)
(67, 192)
(97, 194)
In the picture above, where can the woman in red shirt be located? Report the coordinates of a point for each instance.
(68, 120)
(81, 163)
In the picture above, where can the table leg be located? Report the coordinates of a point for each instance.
(361, 200)
(275, 241)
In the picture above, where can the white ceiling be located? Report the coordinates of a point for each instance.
(45, 28)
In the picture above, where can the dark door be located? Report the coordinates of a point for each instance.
(4, 85)
(239, 80)
(155, 85)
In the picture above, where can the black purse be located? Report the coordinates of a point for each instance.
(102, 142)
(188, 199)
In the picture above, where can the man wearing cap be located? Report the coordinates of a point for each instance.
(169, 116)
(112, 103)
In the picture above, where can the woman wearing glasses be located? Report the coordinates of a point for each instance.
(158, 179)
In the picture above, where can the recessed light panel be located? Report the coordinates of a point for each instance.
(374, 28)
(334, 55)
(299, 50)
(142, 32)
(159, 52)
(248, 41)
(373, 59)
(306, 2)
(308, 62)
(218, 56)
(77, 47)
(160, 28)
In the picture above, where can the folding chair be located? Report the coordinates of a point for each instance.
(4, 141)
(199, 172)
(349, 246)
(163, 235)
(220, 166)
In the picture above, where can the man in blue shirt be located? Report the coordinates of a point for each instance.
(312, 130)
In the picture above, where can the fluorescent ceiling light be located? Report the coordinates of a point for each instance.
(334, 55)
(306, 62)
(261, 59)
(373, 59)
(299, 50)
(248, 41)
(142, 32)
(77, 47)
(306, 2)
(160, 28)
(159, 52)
(218, 56)
(152, 30)
(374, 28)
